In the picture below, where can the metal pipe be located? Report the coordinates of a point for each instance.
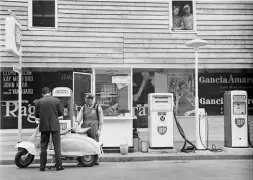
(20, 100)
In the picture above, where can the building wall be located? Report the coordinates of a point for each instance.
(133, 32)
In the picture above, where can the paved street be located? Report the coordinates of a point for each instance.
(149, 170)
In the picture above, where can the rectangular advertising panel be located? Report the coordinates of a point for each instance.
(33, 80)
(212, 86)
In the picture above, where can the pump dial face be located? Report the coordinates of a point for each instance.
(239, 108)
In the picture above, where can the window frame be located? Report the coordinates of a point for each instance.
(194, 19)
(30, 17)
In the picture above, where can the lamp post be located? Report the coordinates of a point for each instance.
(13, 45)
(196, 44)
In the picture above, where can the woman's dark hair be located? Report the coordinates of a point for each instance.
(151, 73)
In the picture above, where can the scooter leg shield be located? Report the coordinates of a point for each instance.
(79, 145)
(30, 147)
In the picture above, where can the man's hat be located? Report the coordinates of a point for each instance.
(186, 7)
(88, 95)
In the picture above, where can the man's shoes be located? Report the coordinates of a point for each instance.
(42, 169)
(59, 168)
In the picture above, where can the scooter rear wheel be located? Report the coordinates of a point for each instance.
(23, 158)
(87, 160)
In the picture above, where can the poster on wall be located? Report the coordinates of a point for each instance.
(212, 87)
(180, 83)
(32, 83)
(143, 84)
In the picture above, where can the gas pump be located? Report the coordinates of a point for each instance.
(160, 120)
(235, 119)
(66, 97)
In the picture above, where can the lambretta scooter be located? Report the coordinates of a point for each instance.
(75, 145)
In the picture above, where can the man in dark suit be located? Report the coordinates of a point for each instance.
(48, 109)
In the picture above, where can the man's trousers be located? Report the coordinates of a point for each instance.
(44, 145)
(92, 132)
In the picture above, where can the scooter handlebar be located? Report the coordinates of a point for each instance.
(37, 121)
(80, 130)
(65, 132)
(76, 130)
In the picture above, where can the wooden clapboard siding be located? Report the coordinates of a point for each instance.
(65, 45)
(134, 32)
(233, 20)
(115, 16)
(35, 61)
(224, 12)
(227, 27)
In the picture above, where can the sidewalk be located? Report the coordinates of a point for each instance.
(9, 138)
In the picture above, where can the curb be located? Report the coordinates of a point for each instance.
(134, 158)
(169, 158)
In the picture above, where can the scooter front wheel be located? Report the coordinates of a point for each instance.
(23, 158)
(87, 160)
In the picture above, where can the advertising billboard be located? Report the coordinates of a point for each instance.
(181, 82)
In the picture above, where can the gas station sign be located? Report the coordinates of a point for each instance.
(65, 125)
(162, 129)
(13, 36)
(239, 97)
(62, 92)
(160, 102)
(239, 122)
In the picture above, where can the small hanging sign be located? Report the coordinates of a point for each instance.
(121, 79)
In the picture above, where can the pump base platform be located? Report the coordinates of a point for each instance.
(238, 151)
(161, 151)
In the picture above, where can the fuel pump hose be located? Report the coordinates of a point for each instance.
(185, 149)
(250, 143)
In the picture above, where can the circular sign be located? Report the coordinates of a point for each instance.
(162, 118)
(17, 36)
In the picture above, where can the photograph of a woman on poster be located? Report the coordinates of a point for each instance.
(185, 101)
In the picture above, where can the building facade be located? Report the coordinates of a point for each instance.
(144, 38)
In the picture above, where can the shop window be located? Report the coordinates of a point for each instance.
(43, 14)
(113, 92)
(183, 16)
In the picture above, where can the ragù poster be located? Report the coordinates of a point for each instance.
(181, 82)
(33, 80)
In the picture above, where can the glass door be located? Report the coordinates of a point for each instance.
(82, 83)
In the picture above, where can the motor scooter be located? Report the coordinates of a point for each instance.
(75, 145)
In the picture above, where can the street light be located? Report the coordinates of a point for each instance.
(196, 44)
(13, 45)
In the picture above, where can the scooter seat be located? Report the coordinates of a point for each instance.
(82, 130)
